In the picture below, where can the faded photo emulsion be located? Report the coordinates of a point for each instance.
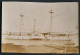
(35, 27)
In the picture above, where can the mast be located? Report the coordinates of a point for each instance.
(34, 26)
(50, 28)
(21, 24)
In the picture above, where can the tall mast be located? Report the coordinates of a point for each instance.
(21, 23)
(34, 26)
(50, 28)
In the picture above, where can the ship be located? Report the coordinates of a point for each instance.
(36, 35)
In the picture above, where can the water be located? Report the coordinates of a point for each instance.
(37, 46)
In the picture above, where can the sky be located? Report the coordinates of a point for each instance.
(64, 18)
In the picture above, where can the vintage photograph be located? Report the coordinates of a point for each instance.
(38, 27)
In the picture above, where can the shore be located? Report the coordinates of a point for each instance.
(11, 48)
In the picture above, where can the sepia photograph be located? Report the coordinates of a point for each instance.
(38, 27)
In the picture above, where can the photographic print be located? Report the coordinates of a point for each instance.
(36, 27)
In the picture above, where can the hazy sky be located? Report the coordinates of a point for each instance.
(65, 16)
